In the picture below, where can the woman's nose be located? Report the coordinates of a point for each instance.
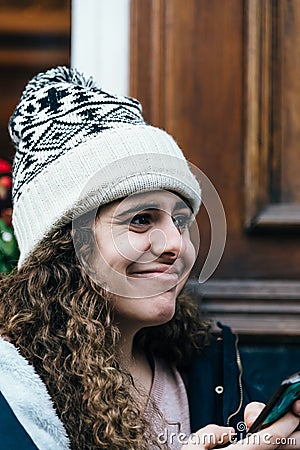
(166, 238)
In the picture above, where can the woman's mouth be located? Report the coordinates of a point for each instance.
(159, 273)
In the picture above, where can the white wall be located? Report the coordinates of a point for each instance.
(100, 42)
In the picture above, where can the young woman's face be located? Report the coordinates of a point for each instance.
(144, 254)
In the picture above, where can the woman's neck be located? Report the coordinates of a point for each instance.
(135, 361)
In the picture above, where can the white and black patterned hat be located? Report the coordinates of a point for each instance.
(68, 132)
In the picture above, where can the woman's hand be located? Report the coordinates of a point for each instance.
(295, 443)
(253, 409)
(271, 437)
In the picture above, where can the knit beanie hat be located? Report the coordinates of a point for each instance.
(67, 132)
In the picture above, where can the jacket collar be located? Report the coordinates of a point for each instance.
(27, 396)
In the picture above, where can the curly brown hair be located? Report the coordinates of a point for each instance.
(62, 323)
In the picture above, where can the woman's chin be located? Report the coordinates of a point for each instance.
(146, 312)
(162, 307)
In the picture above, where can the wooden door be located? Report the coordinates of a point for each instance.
(222, 76)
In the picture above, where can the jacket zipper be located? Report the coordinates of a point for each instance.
(239, 364)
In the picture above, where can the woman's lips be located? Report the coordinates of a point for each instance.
(160, 274)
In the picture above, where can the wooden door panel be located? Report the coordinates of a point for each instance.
(272, 115)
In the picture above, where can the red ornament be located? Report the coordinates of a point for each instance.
(5, 167)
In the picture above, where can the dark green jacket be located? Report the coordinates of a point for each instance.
(217, 388)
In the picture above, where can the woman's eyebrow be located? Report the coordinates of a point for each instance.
(181, 204)
(137, 208)
(148, 206)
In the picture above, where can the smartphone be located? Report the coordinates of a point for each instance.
(279, 404)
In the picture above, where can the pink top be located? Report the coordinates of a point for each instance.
(169, 394)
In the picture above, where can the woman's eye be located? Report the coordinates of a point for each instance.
(141, 219)
(182, 221)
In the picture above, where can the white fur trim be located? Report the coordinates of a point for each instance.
(28, 397)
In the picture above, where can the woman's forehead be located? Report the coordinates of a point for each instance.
(156, 199)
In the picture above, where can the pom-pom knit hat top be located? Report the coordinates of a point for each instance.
(78, 147)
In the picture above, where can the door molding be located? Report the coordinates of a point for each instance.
(263, 119)
(253, 308)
